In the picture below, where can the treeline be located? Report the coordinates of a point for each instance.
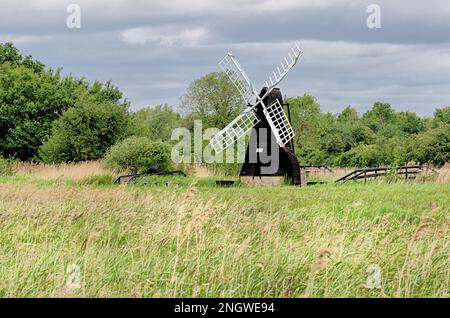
(380, 136)
(45, 117)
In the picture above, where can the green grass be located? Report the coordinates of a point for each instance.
(180, 181)
(206, 241)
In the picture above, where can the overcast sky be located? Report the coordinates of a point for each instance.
(152, 49)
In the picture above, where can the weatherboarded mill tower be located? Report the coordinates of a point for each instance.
(269, 157)
(282, 164)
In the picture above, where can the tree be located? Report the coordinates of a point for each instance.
(29, 103)
(106, 92)
(349, 116)
(214, 98)
(32, 98)
(348, 130)
(409, 122)
(308, 123)
(85, 131)
(361, 156)
(157, 122)
(380, 117)
(9, 54)
(442, 115)
(432, 146)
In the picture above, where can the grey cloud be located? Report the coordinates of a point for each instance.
(407, 62)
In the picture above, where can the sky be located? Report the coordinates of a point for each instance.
(152, 50)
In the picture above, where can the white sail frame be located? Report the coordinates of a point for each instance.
(235, 130)
(277, 118)
(238, 77)
(284, 67)
(274, 113)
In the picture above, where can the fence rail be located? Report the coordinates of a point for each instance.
(313, 168)
(130, 178)
(408, 172)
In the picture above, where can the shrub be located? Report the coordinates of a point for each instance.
(137, 155)
(85, 132)
(431, 146)
(6, 167)
(361, 156)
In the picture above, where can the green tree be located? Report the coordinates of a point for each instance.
(308, 123)
(346, 132)
(86, 131)
(106, 92)
(432, 146)
(214, 98)
(157, 122)
(442, 115)
(9, 54)
(409, 122)
(348, 116)
(32, 98)
(361, 156)
(380, 118)
(29, 103)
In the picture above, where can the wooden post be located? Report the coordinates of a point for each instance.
(303, 181)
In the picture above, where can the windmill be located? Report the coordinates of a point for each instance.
(266, 114)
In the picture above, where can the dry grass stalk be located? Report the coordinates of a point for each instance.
(321, 261)
(181, 211)
(64, 170)
(421, 230)
(444, 174)
(320, 264)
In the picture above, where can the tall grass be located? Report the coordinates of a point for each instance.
(444, 174)
(6, 166)
(61, 171)
(196, 241)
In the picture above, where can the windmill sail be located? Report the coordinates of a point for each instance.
(274, 113)
(235, 130)
(284, 67)
(236, 74)
(279, 123)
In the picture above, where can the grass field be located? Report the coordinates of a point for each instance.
(192, 239)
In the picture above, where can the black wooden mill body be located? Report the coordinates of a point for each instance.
(288, 164)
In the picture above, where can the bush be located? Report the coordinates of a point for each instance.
(138, 155)
(361, 156)
(431, 146)
(6, 167)
(85, 132)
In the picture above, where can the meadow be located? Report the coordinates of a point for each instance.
(192, 239)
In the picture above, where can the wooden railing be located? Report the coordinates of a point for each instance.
(407, 173)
